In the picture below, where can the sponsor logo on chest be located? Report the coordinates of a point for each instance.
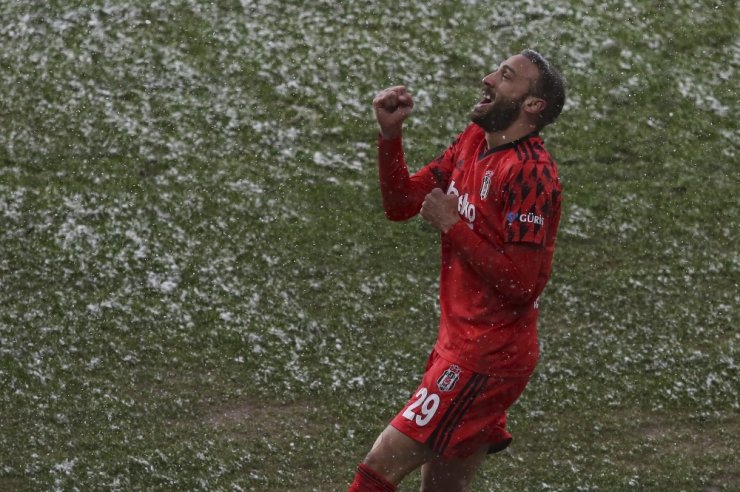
(464, 207)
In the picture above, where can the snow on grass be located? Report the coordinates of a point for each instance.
(186, 194)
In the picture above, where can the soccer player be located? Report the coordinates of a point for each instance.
(494, 195)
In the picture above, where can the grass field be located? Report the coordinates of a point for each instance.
(199, 290)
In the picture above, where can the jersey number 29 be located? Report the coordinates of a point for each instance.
(426, 404)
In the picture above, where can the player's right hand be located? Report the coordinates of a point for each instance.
(392, 106)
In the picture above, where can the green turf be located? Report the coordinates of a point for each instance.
(200, 291)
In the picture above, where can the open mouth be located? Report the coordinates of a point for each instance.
(487, 99)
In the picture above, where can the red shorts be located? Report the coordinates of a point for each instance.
(456, 411)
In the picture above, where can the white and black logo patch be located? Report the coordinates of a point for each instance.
(449, 378)
(485, 187)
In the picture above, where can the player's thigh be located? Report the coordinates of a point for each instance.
(452, 474)
(394, 455)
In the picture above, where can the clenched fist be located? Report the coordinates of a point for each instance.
(392, 106)
(439, 210)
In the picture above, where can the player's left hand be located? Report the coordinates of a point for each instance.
(440, 210)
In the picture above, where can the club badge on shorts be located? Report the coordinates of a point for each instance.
(449, 378)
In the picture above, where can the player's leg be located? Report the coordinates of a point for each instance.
(451, 474)
(472, 431)
(394, 455)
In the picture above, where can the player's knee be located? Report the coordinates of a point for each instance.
(381, 460)
(374, 459)
(394, 455)
(377, 457)
(391, 463)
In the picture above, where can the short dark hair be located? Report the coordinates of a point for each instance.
(550, 86)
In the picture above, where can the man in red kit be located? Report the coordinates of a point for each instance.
(494, 195)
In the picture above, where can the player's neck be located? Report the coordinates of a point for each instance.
(511, 134)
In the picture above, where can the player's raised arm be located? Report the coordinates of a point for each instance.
(392, 106)
(403, 193)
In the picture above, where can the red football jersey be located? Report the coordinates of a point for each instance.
(507, 194)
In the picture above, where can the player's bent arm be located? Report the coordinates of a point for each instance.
(512, 268)
(402, 194)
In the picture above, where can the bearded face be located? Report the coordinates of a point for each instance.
(496, 112)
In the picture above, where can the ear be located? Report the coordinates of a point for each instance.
(534, 105)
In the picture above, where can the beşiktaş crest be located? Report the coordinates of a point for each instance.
(449, 378)
(485, 187)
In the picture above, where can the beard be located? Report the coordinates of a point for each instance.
(497, 115)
